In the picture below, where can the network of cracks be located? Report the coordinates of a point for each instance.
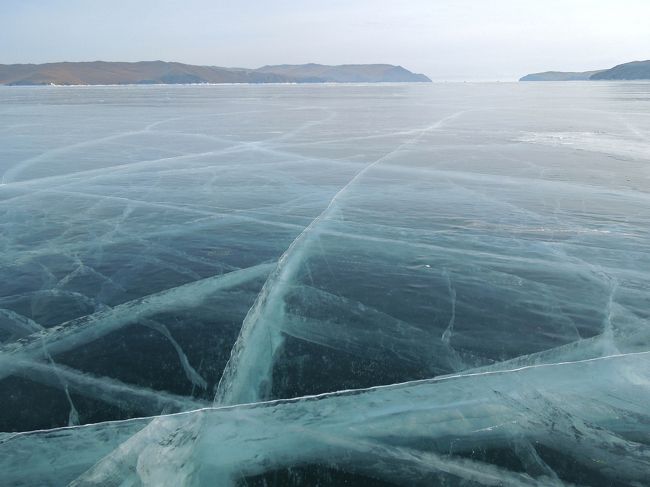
(289, 286)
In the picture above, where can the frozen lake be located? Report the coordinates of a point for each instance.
(172, 248)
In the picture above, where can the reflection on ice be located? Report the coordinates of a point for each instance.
(467, 266)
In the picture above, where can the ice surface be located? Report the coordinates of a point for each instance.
(593, 411)
(478, 256)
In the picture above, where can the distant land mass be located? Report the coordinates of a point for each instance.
(628, 71)
(559, 76)
(637, 70)
(161, 72)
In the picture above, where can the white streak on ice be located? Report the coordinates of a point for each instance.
(75, 333)
(247, 374)
(110, 391)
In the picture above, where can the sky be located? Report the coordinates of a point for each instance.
(445, 39)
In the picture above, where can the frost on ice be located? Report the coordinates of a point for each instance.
(300, 285)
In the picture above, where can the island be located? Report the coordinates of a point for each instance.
(162, 72)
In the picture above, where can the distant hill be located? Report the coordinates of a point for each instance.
(637, 70)
(628, 71)
(559, 76)
(347, 73)
(160, 72)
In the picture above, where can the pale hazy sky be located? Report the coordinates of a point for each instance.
(445, 39)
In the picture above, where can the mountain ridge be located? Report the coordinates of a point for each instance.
(164, 72)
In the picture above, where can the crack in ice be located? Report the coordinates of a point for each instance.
(251, 359)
